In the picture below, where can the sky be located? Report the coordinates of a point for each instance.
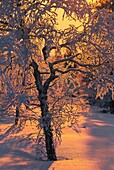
(64, 23)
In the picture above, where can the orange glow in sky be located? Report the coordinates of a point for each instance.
(65, 22)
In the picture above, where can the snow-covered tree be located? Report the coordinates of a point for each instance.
(35, 68)
(109, 5)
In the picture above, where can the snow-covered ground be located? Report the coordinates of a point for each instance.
(92, 149)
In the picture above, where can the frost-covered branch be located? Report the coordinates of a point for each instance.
(52, 77)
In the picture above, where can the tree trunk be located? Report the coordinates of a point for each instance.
(45, 115)
(17, 115)
(111, 104)
(46, 119)
(51, 154)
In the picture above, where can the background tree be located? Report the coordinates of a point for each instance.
(32, 52)
(109, 5)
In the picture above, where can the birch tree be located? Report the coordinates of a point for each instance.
(32, 52)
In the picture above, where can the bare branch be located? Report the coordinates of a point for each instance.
(87, 65)
(37, 76)
(66, 59)
(71, 69)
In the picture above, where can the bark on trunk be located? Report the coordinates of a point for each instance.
(50, 149)
(51, 154)
(17, 116)
(46, 117)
